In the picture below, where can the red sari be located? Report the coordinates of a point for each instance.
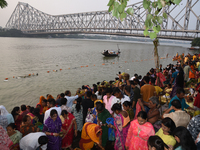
(67, 124)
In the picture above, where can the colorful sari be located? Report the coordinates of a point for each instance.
(102, 117)
(15, 138)
(5, 141)
(120, 132)
(67, 125)
(138, 135)
(26, 129)
(31, 116)
(40, 103)
(89, 135)
(51, 126)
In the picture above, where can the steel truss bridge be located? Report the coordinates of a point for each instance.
(183, 21)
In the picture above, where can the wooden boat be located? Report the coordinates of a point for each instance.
(194, 48)
(111, 53)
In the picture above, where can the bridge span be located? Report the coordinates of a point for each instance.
(183, 21)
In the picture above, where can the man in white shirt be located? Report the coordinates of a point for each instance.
(180, 117)
(70, 99)
(119, 97)
(34, 141)
(52, 104)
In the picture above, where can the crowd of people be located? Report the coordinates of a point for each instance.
(127, 113)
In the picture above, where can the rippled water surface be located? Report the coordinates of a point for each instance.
(23, 56)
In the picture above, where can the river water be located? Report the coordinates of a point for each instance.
(23, 56)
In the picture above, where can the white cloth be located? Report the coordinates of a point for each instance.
(47, 113)
(70, 100)
(117, 100)
(98, 96)
(64, 107)
(132, 78)
(6, 114)
(30, 141)
(180, 118)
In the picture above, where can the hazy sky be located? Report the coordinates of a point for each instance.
(57, 7)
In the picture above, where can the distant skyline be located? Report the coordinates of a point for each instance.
(57, 7)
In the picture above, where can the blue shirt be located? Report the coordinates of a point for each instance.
(174, 75)
(183, 103)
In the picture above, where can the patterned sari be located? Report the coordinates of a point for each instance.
(89, 135)
(5, 141)
(15, 139)
(51, 126)
(120, 132)
(67, 125)
(138, 135)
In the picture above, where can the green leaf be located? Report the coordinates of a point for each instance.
(165, 15)
(154, 4)
(110, 8)
(159, 4)
(154, 20)
(115, 13)
(121, 9)
(156, 12)
(146, 4)
(158, 28)
(3, 3)
(177, 1)
(149, 9)
(153, 35)
(124, 3)
(110, 3)
(122, 16)
(130, 11)
(146, 32)
(149, 16)
(116, 5)
(147, 23)
(155, 30)
(160, 19)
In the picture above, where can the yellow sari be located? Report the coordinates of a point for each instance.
(89, 135)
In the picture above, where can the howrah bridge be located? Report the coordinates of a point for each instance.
(182, 22)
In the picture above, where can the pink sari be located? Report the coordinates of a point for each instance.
(138, 135)
(120, 132)
(5, 141)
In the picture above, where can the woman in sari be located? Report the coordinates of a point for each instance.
(52, 127)
(91, 133)
(5, 141)
(14, 135)
(121, 126)
(27, 127)
(139, 132)
(17, 117)
(39, 105)
(68, 124)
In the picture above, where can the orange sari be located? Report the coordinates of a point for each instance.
(40, 103)
(89, 135)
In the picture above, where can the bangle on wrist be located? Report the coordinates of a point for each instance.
(52, 134)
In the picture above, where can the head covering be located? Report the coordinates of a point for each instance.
(49, 97)
(3, 111)
(41, 99)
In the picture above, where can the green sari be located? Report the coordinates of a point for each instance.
(102, 117)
